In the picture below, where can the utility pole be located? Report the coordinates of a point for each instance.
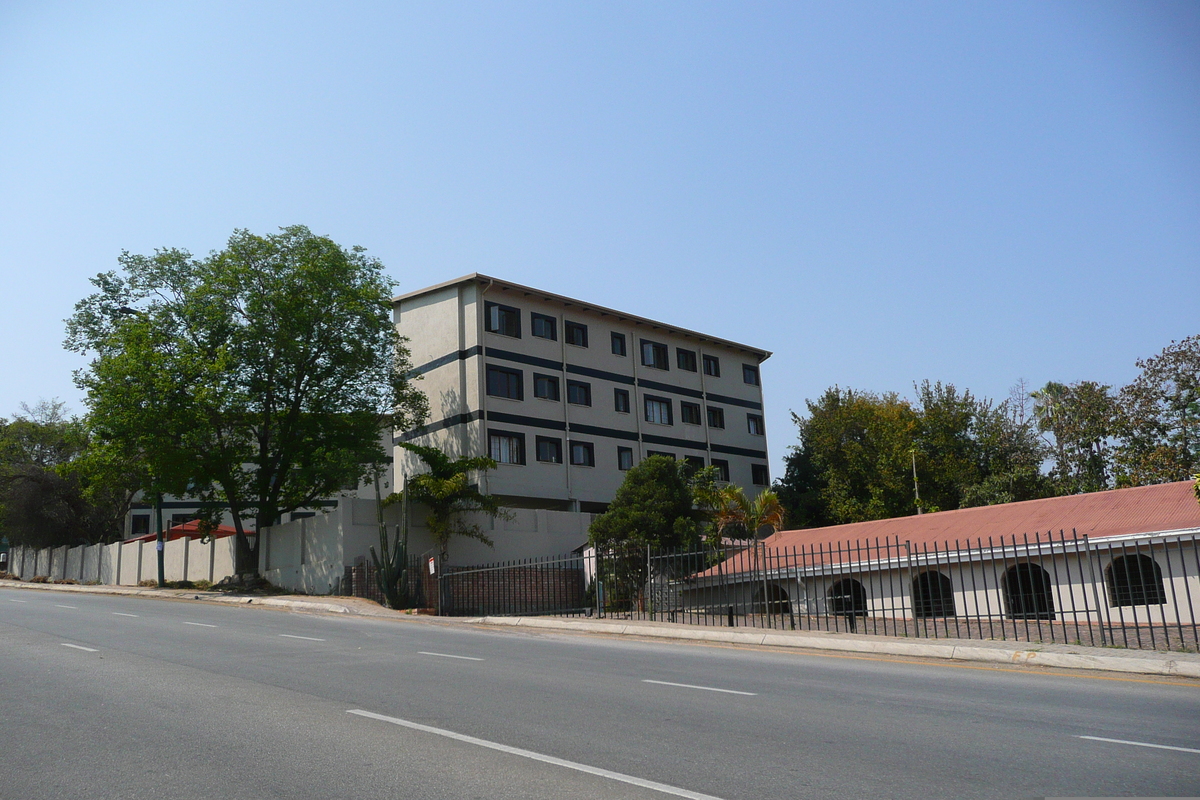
(916, 489)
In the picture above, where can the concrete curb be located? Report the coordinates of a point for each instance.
(1140, 662)
(1063, 656)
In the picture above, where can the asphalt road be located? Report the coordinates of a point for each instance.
(108, 696)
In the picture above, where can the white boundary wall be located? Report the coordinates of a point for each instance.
(127, 564)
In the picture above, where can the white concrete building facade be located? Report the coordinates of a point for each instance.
(566, 395)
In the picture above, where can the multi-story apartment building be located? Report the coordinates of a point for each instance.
(566, 395)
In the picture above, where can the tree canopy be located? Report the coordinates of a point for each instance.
(654, 505)
(259, 377)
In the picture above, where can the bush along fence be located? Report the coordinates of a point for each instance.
(1138, 592)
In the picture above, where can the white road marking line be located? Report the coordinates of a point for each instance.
(559, 762)
(56, 605)
(705, 688)
(11, 600)
(1140, 744)
(81, 647)
(306, 638)
(119, 614)
(200, 624)
(447, 655)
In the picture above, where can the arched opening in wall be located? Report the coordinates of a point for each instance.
(778, 601)
(1135, 581)
(847, 598)
(1027, 592)
(933, 595)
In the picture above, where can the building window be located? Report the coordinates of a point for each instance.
(579, 393)
(624, 458)
(506, 448)
(760, 475)
(140, 525)
(695, 462)
(543, 327)
(504, 320)
(660, 454)
(180, 519)
(1135, 581)
(549, 450)
(654, 355)
(750, 374)
(685, 359)
(575, 333)
(503, 382)
(618, 344)
(658, 411)
(621, 400)
(712, 366)
(933, 596)
(716, 417)
(1028, 592)
(754, 423)
(583, 454)
(689, 413)
(847, 598)
(545, 386)
(722, 467)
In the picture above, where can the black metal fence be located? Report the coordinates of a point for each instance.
(1128, 592)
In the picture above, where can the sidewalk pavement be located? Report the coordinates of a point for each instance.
(1109, 659)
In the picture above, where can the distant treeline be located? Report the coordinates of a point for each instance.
(864, 456)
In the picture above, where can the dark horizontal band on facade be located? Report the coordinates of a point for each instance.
(448, 422)
(521, 358)
(449, 358)
(587, 430)
(601, 374)
(666, 387)
(733, 401)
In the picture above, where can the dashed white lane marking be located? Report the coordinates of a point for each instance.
(1140, 744)
(81, 647)
(559, 762)
(200, 624)
(56, 605)
(447, 655)
(305, 638)
(119, 614)
(14, 600)
(705, 688)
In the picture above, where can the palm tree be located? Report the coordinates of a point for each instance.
(446, 491)
(751, 516)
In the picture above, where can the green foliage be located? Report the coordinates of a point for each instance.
(448, 494)
(53, 489)
(1080, 419)
(258, 377)
(654, 505)
(746, 518)
(1159, 418)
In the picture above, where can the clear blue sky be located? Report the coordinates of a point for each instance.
(878, 193)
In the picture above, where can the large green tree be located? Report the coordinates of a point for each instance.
(1158, 418)
(259, 377)
(1080, 420)
(654, 505)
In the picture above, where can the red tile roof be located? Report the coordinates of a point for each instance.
(1120, 512)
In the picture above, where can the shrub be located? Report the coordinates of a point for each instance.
(68, 581)
(202, 585)
(40, 579)
(148, 583)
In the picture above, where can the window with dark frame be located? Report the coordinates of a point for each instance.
(716, 417)
(1135, 580)
(754, 424)
(579, 393)
(760, 475)
(712, 366)
(750, 374)
(621, 400)
(575, 333)
(689, 413)
(658, 410)
(618, 344)
(506, 448)
(685, 359)
(139, 525)
(654, 355)
(549, 450)
(504, 320)
(695, 462)
(624, 458)
(502, 382)
(583, 454)
(545, 386)
(543, 327)
(722, 467)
